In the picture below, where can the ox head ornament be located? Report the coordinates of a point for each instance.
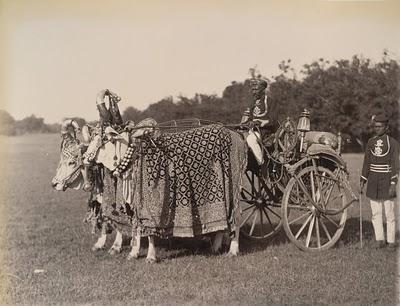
(111, 115)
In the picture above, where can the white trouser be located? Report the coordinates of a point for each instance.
(252, 140)
(377, 220)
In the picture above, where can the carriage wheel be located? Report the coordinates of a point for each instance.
(261, 214)
(314, 227)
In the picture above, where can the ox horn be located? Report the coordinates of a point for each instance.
(67, 123)
(101, 95)
(114, 109)
(86, 130)
(105, 115)
(113, 95)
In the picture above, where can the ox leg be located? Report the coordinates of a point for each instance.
(234, 246)
(117, 245)
(217, 242)
(87, 186)
(135, 243)
(151, 253)
(99, 245)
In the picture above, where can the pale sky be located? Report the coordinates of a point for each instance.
(56, 55)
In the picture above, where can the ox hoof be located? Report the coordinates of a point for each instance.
(114, 251)
(151, 260)
(231, 255)
(218, 251)
(96, 249)
(132, 256)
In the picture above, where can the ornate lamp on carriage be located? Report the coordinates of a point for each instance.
(303, 126)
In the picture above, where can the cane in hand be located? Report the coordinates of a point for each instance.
(361, 231)
(362, 183)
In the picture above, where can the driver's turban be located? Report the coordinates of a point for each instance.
(258, 84)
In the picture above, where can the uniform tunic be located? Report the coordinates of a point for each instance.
(381, 166)
(265, 108)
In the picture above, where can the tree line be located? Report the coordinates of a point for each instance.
(32, 124)
(341, 96)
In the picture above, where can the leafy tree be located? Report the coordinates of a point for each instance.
(344, 95)
(186, 107)
(235, 99)
(7, 124)
(211, 107)
(131, 113)
(162, 111)
(30, 124)
(53, 128)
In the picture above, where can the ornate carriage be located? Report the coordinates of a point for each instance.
(303, 187)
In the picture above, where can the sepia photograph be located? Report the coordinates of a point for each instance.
(199, 152)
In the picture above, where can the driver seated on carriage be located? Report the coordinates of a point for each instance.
(260, 116)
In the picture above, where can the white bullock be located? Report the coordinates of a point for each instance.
(152, 202)
(72, 174)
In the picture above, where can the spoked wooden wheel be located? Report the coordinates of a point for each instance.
(261, 215)
(313, 209)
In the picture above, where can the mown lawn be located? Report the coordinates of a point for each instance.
(42, 229)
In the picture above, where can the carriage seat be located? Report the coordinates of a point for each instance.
(319, 137)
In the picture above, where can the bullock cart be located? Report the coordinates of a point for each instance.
(303, 187)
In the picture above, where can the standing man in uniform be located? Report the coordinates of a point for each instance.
(380, 172)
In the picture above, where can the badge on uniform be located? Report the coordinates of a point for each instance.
(378, 147)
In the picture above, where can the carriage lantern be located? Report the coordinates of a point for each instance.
(303, 126)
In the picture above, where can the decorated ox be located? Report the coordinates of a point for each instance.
(71, 173)
(106, 149)
(182, 184)
(78, 168)
(187, 184)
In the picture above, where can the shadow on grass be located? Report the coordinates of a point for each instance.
(349, 237)
(351, 232)
(248, 246)
(181, 247)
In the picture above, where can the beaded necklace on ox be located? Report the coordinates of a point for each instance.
(125, 161)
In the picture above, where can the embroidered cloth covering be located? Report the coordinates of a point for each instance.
(188, 183)
(114, 206)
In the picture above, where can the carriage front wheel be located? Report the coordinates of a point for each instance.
(261, 211)
(313, 208)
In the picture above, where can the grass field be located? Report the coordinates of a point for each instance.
(42, 229)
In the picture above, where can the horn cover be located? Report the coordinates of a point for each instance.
(105, 115)
(86, 134)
